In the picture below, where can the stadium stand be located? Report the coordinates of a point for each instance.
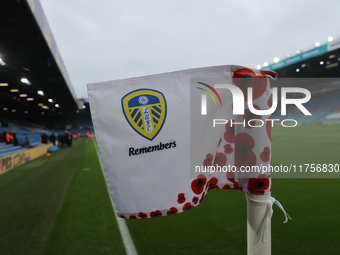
(317, 70)
(7, 149)
(321, 107)
(31, 65)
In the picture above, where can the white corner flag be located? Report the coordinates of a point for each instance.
(165, 140)
(161, 154)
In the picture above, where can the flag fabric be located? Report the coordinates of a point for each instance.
(148, 138)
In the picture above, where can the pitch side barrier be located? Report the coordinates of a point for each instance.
(16, 159)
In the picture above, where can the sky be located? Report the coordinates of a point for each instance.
(108, 39)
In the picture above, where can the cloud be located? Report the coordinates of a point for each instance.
(107, 40)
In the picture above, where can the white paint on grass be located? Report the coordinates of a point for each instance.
(85, 169)
(124, 231)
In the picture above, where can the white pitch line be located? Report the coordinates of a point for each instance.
(85, 169)
(124, 231)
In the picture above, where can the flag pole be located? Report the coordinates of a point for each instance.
(256, 215)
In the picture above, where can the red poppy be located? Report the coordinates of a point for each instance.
(248, 115)
(197, 185)
(172, 210)
(202, 198)
(220, 160)
(230, 176)
(213, 183)
(229, 134)
(244, 156)
(265, 154)
(269, 128)
(208, 160)
(269, 102)
(132, 217)
(181, 198)
(227, 186)
(142, 215)
(122, 216)
(237, 186)
(195, 200)
(155, 214)
(244, 78)
(269, 73)
(187, 206)
(228, 149)
(270, 188)
(258, 185)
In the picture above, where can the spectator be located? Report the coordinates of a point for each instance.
(27, 142)
(8, 138)
(15, 140)
(44, 138)
(3, 137)
(69, 139)
(52, 138)
(59, 139)
(64, 139)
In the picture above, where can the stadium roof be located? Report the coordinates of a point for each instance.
(322, 62)
(34, 85)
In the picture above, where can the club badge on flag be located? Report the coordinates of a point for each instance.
(159, 136)
(145, 110)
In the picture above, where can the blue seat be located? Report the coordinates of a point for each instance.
(35, 144)
(2, 146)
(10, 148)
(3, 154)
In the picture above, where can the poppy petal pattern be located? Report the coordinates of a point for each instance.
(238, 146)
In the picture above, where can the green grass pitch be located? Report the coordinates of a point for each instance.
(60, 205)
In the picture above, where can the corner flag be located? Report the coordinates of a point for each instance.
(165, 140)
